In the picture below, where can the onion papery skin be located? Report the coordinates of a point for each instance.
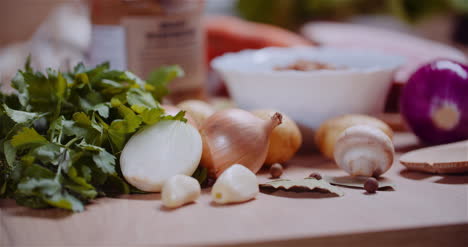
(235, 136)
(434, 102)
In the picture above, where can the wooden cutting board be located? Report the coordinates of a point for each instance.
(421, 201)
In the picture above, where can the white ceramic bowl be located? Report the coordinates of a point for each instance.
(309, 97)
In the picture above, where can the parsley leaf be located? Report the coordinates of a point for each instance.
(159, 79)
(21, 116)
(62, 132)
(104, 160)
(27, 137)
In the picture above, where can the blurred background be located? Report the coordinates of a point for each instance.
(61, 34)
(442, 20)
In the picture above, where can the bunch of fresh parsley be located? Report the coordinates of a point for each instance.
(61, 134)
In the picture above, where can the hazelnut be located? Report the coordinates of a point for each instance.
(276, 170)
(371, 185)
(315, 175)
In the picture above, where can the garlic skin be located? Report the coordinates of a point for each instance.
(236, 136)
(236, 184)
(179, 190)
(364, 150)
(159, 152)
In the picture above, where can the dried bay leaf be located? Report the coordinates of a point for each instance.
(302, 185)
(358, 182)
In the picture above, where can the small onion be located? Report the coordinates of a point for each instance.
(198, 109)
(236, 136)
(172, 110)
(285, 139)
(434, 102)
(222, 103)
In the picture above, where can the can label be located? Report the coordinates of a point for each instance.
(168, 40)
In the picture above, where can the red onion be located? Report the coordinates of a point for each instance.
(435, 102)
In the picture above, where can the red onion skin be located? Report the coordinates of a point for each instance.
(439, 82)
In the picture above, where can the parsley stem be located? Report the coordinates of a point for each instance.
(64, 156)
(61, 161)
(72, 141)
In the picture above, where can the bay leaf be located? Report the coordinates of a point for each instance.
(302, 185)
(358, 182)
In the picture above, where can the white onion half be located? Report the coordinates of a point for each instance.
(159, 152)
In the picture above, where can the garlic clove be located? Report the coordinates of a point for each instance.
(363, 150)
(179, 190)
(236, 184)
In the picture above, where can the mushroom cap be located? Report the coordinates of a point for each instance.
(330, 130)
(364, 150)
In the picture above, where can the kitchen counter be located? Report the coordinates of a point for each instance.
(424, 209)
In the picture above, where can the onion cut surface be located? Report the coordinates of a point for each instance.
(159, 152)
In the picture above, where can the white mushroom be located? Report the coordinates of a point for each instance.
(363, 150)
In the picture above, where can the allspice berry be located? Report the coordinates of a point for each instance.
(371, 185)
(276, 170)
(315, 175)
(209, 182)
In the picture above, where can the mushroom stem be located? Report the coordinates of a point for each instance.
(364, 150)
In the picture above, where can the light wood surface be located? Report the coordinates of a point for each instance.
(437, 236)
(424, 209)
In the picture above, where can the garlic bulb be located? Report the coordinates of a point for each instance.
(363, 150)
(179, 190)
(236, 136)
(236, 184)
(159, 152)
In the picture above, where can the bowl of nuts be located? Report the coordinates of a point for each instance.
(309, 84)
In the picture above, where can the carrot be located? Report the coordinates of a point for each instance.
(231, 34)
